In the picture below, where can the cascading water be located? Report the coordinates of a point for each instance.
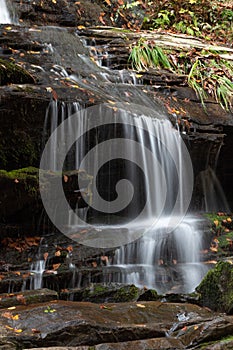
(143, 218)
(4, 13)
(164, 247)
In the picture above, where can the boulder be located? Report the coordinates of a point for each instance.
(216, 289)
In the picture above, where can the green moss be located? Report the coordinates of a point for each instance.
(11, 73)
(29, 177)
(223, 341)
(127, 293)
(216, 289)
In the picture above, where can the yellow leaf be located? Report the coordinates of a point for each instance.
(18, 330)
(195, 328)
(8, 327)
(141, 305)
(229, 220)
(54, 1)
(81, 27)
(16, 317)
(11, 308)
(8, 28)
(216, 222)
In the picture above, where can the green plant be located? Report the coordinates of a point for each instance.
(145, 55)
(207, 73)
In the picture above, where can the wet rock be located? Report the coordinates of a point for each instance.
(216, 289)
(102, 293)
(11, 73)
(149, 295)
(27, 297)
(75, 324)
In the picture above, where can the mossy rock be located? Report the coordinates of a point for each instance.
(216, 289)
(100, 293)
(149, 295)
(11, 73)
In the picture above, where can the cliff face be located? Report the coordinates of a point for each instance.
(44, 59)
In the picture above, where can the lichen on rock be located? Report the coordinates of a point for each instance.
(216, 289)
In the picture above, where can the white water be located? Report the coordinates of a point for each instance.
(167, 262)
(37, 270)
(4, 13)
(167, 255)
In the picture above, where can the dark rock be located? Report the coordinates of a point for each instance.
(75, 324)
(149, 295)
(216, 289)
(27, 297)
(102, 293)
(11, 73)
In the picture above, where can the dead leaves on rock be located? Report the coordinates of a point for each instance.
(20, 244)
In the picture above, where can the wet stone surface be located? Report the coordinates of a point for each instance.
(89, 324)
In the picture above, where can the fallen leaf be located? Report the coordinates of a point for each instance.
(56, 266)
(15, 318)
(11, 308)
(65, 178)
(18, 330)
(21, 299)
(94, 264)
(34, 330)
(141, 305)
(7, 315)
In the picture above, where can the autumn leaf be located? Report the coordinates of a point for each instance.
(34, 330)
(18, 330)
(7, 315)
(94, 264)
(54, 94)
(141, 305)
(56, 266)
(69, 248)
(21, 299)
(65, 178)
(46, 256)
(15, 318)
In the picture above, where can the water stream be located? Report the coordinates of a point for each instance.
(144, 218)
(4, 13)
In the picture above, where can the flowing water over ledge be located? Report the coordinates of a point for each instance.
(4, 13)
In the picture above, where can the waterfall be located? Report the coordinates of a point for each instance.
(141, 192)
(4, 13)
(37, 270)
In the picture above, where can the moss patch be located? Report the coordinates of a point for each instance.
(11, 73)
(216, 289)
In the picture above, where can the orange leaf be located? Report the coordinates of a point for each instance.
(34, 330)
(46, 256)
(21, 299)
(65, 178)
(7, 315)
(54, 94)
(56, 266)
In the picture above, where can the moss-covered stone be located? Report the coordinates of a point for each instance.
(149, 295)
(216, 289)
(11, 73)
(100, 293)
